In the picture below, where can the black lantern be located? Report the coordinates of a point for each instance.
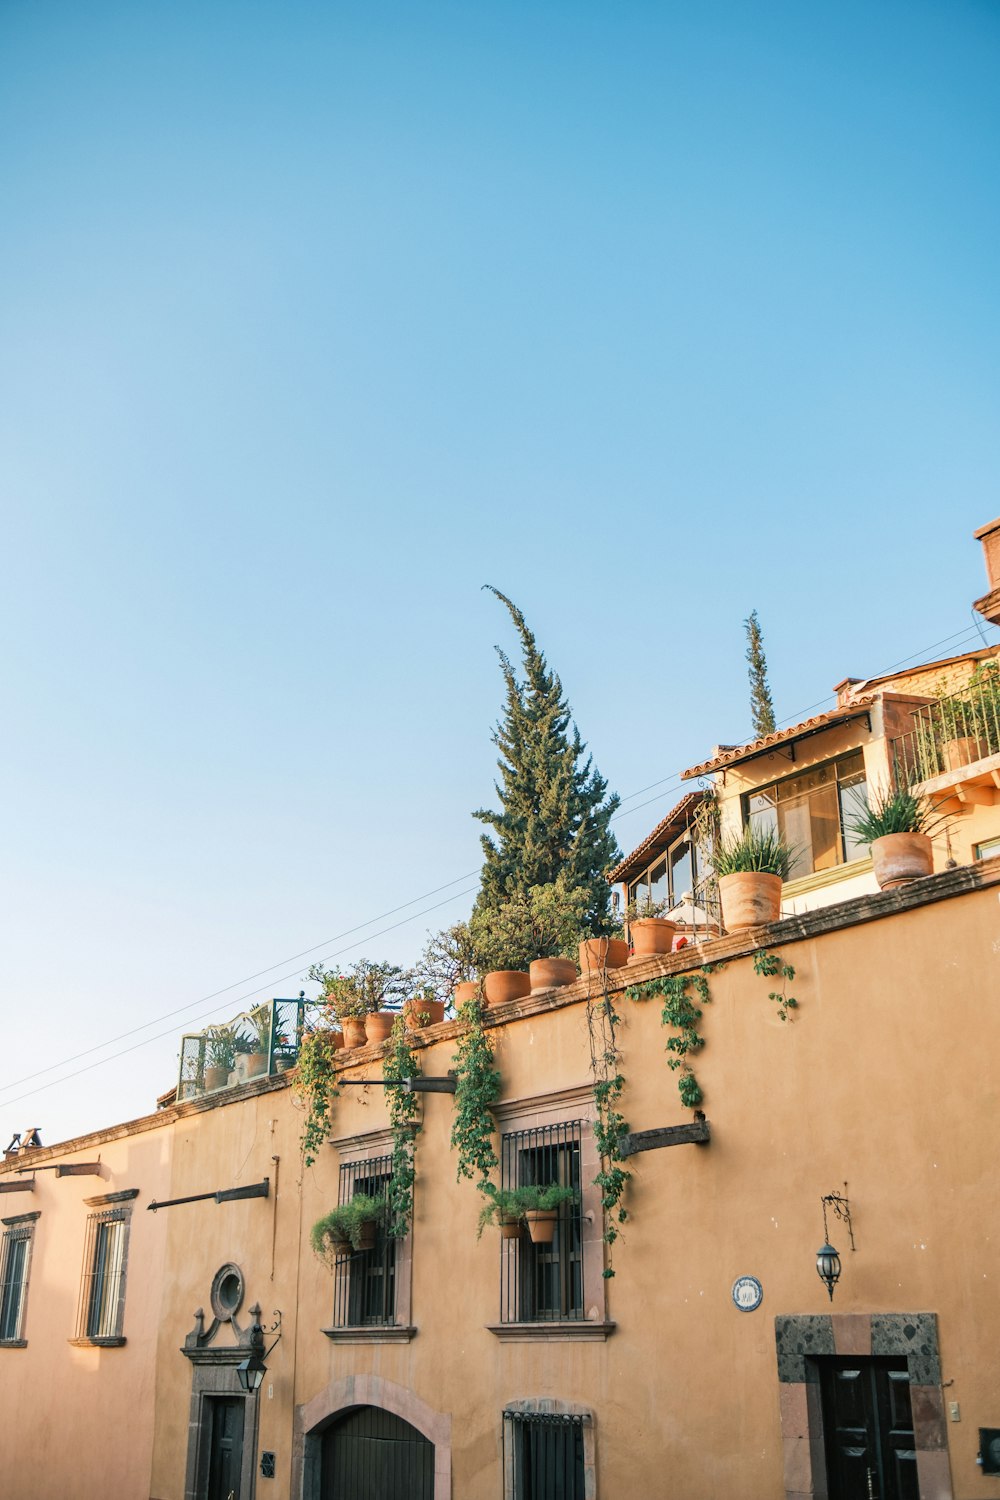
(251, 1371)
(828, 1267)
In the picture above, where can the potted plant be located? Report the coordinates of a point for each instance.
(651, 932)
(447, 969)
(260, 1040)
(598, 953)
(540, 1209)
(750, 867)
(526, 942)
(222, 1045)
(424, 1009)
(365, 1000)
(897, 826)
(351, 1226)
(503, 1206)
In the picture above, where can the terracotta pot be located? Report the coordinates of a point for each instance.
(597, 954)
(506, 984)
(899, 857)
(961, 752)
(366, 1238)
(419, 1013)
(749, 898)
(541, 1224)
(379, 1025)
(651, 936)
(354, 1031)
(216, 1078)
(466, 989)
(340, 1248)
(551, 973)
(336, 1039)
(510, 1229)
(256, 1064)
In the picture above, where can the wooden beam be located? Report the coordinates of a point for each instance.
(79, 1169)
(698, 1134)
(18, 1187)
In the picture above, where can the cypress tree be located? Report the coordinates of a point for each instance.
(554, 805)
(761, 705)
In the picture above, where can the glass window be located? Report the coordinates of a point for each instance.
(658, 881)
(15, 1253)
(365, 1280)
(102, 1299)
(811, 812)
(543, 1282)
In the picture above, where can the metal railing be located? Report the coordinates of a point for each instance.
(256, 1043)
(955, 731)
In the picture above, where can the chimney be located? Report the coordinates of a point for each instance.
(989, 605)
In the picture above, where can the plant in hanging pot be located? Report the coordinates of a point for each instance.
(652, 934)
(897, 825)
(503, 1207)
(540, 1209)
(351, 1226)
(751, 866)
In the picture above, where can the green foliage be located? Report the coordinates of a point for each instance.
(260, 1022)
(404, 1121)
(974, 710)
(770, 965)
(448, 959)
(754, 849)
(682, 1011)
(554, 809)
(610, 1125)
(222, 1046)
(514, 1203)
(892, 809)
(641, 910)
(346, 1225)
(477, 1089)
(761, 703)
(364, 989)
(315, 1084)
(542, 922)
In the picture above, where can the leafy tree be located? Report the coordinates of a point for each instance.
(761, 704)
(555, 811)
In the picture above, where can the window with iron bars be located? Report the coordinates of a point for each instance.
(543, 1456)
(365, 1281)
(102, 1290)
(543, 1282)
(15, 1262)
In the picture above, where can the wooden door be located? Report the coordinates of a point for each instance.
(372, 1455)
(868, 1429)
(225, 1447)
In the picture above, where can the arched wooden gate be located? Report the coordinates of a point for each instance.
(370, 1454)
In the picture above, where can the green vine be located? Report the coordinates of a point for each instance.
(316, 1086)
(404, 1121)
(682, 1011)
(610, 1125)
(771, 966)
(477, 1089)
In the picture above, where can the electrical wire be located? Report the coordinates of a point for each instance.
(668, 782)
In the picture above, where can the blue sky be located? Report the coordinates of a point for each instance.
(315, 318)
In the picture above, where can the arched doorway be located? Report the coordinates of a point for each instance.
(371, 1454)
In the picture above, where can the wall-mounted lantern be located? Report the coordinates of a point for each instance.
(250, 1372)
(828, 1265)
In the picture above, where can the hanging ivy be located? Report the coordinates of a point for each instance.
(772, 966)
(405, 1124)
(477, 1089)
(610, 1125)
(683, 997)
(316, 1086)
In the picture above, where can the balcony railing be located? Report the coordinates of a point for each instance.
(254, 1044)
(954, 732)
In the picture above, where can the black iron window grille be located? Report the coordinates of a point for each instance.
(543, 1456)
(543, 1282)
(15, 1259)
(102, 1289)
(365, 1281)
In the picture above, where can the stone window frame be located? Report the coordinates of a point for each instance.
(108, 1208)
(549, 1406)
(356, 1150)
(802, 1340)
(559, 1108)
(20, 1227)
